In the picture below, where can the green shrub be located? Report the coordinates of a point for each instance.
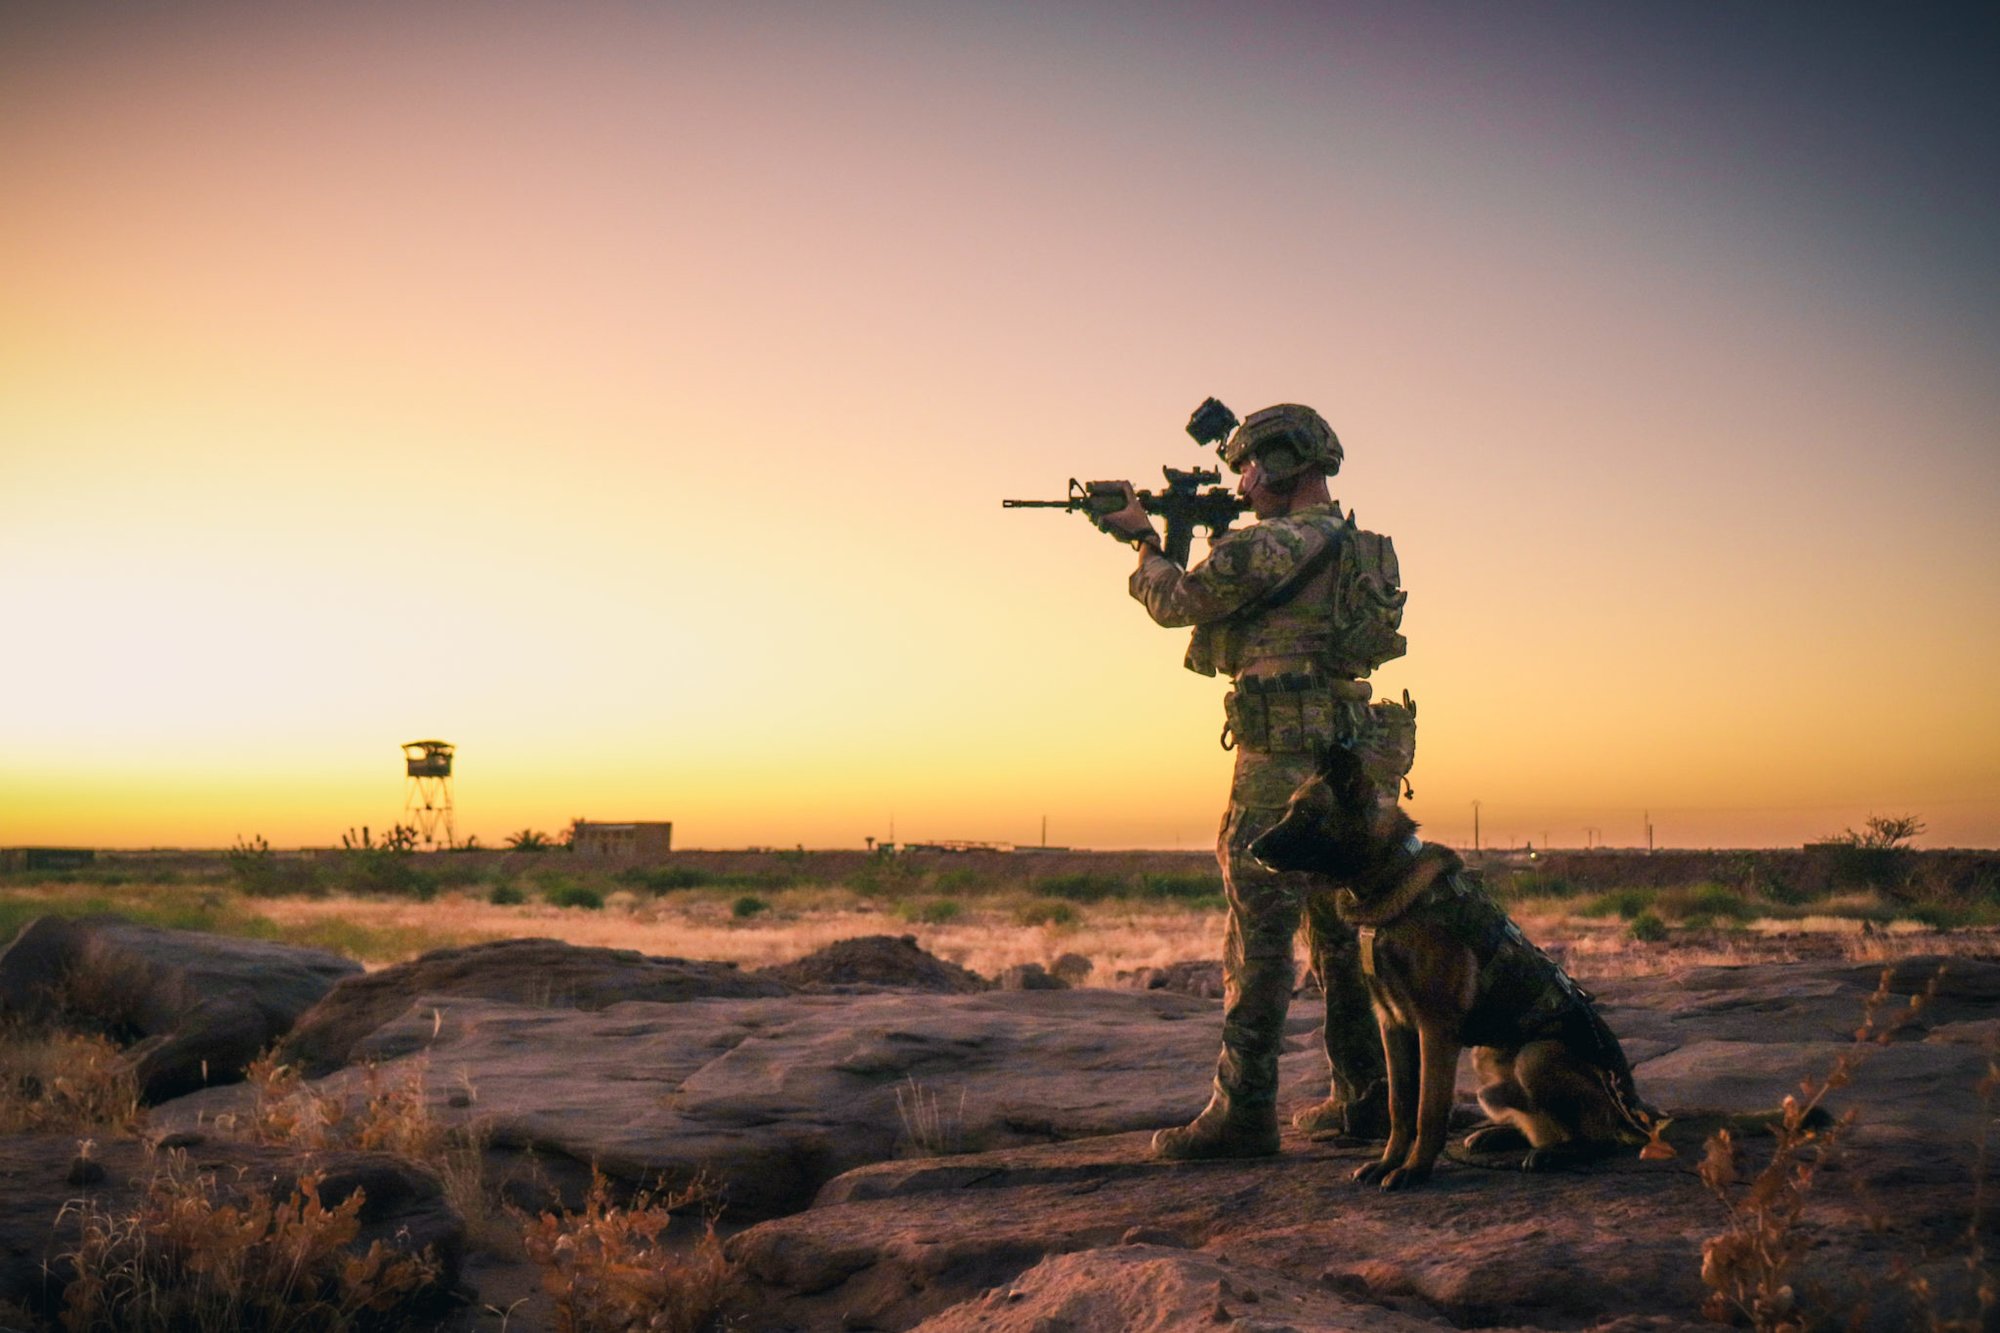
(1180, 887)
(1705, 902)
(378, 872)
(506, 895)
(1082, 888)
(747, 906)
(1624, 903)
(934, 912)
(665, 879)
(1534, 884)
(1046, 912)
(261, 874)
(453, 873)
(958, 879)
(885, 874)
(1647, 928)
(575, 895)
(1953, 915)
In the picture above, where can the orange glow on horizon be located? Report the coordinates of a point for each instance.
(627, 398)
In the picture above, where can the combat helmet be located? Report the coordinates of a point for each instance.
(1286, 440)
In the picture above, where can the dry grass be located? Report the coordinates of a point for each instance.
(393, 1115)
(196, 1257)
(983, 937)
(611, 1269)
(65, 1081)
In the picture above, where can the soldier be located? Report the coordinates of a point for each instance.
(1297, 608)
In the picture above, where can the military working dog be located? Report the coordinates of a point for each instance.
(1445, 969)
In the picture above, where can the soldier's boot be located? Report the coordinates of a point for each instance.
(1357, 1108)
(1363, 1119)
(1241, 1119)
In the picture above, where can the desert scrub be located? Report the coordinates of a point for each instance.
(664, 879)
(1082, 888)
(575, 895)
(1647, 928)
(610, 1269)
(392, 1114)
(1749, 1265)
(261, 873)
(930, 912)
(933, 1126)
(64, 1081)
(747, 906)
(1527, 884)
(1622, 903)
(1703, 903)
(1047, 912)
(198, 1257)
(506, 895)
(1185, 888)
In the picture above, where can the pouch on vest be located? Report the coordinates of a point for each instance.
(1388, 746)
(1367, 601)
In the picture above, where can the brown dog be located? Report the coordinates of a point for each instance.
(1445, 969)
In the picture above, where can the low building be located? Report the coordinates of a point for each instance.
(46, 858)
(637, 841)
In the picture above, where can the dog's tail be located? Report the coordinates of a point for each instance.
(1686, 1131)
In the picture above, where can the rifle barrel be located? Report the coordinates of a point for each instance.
(1038, 504)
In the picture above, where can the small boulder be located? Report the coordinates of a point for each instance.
(1030, 976)
(540, 972)
(1072, 968)
(876, 961)
(194, 1008)
(1200, 978)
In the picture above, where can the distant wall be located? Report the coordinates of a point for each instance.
(1805, 872)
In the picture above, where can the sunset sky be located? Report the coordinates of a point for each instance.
(625, 392)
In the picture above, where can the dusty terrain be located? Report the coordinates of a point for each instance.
(895, 1147)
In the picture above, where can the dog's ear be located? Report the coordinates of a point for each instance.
(1343, 771)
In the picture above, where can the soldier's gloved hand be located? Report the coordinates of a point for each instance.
(1128, 522)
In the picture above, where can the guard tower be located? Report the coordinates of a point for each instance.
(427, 790)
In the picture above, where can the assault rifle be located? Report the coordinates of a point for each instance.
(1183, 504)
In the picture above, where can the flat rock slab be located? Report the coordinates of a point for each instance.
(1080, 1235)
(771, 1098)
(543, 973)
(42, 1194)
(995, 1241)
(198, 1007)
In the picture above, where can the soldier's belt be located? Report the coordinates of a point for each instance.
(1292, 713)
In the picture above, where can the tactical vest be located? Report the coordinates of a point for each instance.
(1344, 615)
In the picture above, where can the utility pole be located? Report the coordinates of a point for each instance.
(1649, 832)
(1475, 827)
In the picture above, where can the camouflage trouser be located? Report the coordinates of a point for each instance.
(1265, 912)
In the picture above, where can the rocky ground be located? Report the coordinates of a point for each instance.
(898, 1148)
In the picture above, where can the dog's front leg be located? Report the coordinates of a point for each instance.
(1439, 1046)
(1402, 1053)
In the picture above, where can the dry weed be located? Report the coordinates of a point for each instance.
(1749, 1266)
(395, 1115)
(56, 1080)
(193, 1257)
(609, 1269)
(932, 1128)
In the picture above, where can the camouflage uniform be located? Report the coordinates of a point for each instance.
(1265, 592)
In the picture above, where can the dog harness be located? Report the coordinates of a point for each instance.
(1523, 994)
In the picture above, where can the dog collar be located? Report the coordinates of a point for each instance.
(1413, 844)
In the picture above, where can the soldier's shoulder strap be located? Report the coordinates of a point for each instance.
(1335, 530)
